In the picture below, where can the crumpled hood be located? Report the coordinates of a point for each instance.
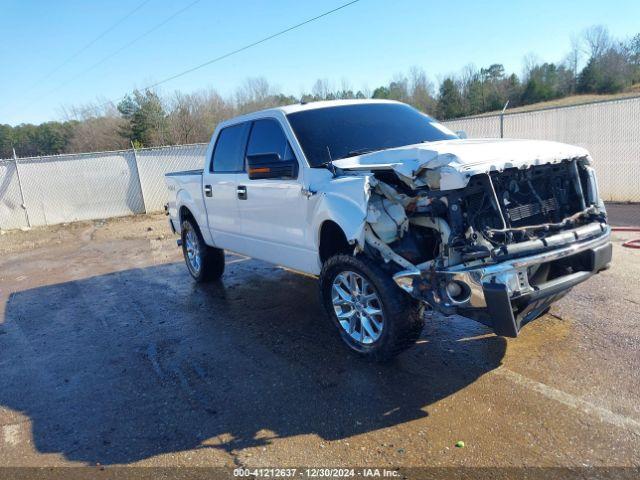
(449, 164)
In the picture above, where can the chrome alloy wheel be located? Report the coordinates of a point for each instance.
(192, 246)
(357, 307)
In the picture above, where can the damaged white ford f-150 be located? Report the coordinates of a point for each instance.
(394, 213)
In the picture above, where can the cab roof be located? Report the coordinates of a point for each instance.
(301, 107)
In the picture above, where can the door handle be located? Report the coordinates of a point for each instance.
(242, 192)
(208, 191)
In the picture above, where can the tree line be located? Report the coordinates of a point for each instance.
(612, 66)
(597, 63)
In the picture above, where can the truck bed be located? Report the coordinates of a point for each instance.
(184, 172)
(186, 185)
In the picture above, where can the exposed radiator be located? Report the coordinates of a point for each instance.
(531, 209)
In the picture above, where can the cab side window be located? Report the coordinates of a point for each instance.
(267, 137)
(228, 153)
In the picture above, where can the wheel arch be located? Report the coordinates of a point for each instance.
(185, 213)
(332, 240)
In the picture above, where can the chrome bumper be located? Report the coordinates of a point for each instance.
(485, 285)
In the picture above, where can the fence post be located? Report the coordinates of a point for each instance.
(502, 119)
(24, 205)
(135, 161)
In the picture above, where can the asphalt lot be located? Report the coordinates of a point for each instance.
(623, 214)
(110, 354)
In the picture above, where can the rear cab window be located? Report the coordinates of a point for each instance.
(228, 153)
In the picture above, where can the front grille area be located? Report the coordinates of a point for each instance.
(540, 194)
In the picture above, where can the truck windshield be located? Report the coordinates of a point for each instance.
(349, 130)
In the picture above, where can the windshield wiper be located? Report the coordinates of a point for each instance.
(360, 151)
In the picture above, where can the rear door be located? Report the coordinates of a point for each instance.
(220, 184)
(273, 211)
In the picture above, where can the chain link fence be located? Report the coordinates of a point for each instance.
(154, 163)
(12, 211)
(69, 188)
(610, 130)
(55, 189)
(66, 188)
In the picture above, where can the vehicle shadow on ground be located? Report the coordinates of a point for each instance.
(121, 367)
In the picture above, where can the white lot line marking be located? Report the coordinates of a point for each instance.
(11, 434)
(237, 260)
(297, 272)
(574, 402)
(230, 253)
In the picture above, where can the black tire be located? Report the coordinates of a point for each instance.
(403, 316)
(211, 259)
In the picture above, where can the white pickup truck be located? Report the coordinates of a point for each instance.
(394, 213)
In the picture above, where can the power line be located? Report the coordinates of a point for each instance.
(246, 47)
(119, 50)
(88, 45)
(241, 49)
(214, 60)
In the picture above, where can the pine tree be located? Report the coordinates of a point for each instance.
(449, 100)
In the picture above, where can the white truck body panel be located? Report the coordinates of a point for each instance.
(223, 216)
(458, 160)
(281, 219)
(496, 230)
(185, 190)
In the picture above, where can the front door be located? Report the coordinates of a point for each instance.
(273, 211)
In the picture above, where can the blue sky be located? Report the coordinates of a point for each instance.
(366, 43)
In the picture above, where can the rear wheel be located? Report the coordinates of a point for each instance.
(205, 263)
(373, 316)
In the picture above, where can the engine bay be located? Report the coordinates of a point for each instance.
(498, 213)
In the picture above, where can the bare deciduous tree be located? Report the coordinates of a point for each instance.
(98, 128)
(597, 41)
(194, 116)
(529, 62)
(322, 89)
(572, 61)
(254, 94)
(421, 91)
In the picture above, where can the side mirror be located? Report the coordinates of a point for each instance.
(461, 134)
(270, 165)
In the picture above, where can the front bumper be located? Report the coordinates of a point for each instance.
(506, 295)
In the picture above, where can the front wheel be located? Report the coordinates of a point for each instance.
(373, 316)
(205, 263)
